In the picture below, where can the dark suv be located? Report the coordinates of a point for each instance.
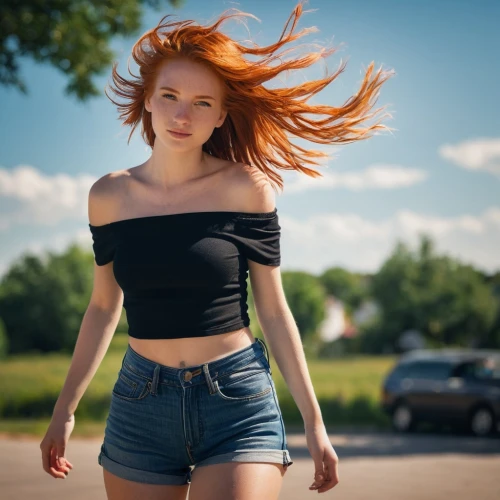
(456, 387)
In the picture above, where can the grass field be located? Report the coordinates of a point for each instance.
(348, 390)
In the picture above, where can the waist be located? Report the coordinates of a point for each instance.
(192, 351)
(198, 374)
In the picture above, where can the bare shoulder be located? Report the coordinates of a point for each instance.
(253, 189)
(104, 197)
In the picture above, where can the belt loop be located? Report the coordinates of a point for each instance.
(211, 387)
(266, 352)
(154, 383)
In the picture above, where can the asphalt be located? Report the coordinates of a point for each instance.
(372, 465)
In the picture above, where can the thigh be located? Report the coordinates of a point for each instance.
(236, 480)
(123, 489)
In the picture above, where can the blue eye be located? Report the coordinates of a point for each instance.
(172, 95)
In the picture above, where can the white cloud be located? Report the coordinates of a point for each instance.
(376, 176)
(475, 154)
(357, 243)
(38, 198)
(59, 242)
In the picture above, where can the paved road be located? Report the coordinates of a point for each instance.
(373, 465)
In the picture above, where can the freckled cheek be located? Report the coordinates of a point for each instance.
(158, 118)
(162, 115)
(163, 108)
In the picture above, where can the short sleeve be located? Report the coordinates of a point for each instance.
(103, 244)
(259, 235)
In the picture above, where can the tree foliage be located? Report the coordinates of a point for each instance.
(4, 340)
(447, 301)
(42, 302)
(351, 288)
(306, 298)
(71, 35)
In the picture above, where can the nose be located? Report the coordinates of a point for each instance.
(181, 114)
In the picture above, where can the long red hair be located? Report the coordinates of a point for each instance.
(259, 119)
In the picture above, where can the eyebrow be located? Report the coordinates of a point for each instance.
(196, 96)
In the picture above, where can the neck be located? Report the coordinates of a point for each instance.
(169, 169)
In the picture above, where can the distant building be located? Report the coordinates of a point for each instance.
(337, 323)
(334, 324)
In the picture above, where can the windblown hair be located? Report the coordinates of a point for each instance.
(258, 119)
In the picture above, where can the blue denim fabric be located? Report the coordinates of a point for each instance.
(163, 421)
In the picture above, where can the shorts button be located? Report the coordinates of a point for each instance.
(188, 376)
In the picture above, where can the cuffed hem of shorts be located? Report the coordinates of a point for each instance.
(141, 476)
(257, 455)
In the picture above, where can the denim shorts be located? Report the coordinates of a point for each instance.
(163, 421)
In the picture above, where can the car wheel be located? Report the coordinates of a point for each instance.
(402, 418)
(482, 421)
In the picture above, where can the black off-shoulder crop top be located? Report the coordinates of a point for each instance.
(185, 275)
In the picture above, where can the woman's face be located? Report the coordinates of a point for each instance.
(187, 97)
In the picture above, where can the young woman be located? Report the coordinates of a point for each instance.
(194, 405)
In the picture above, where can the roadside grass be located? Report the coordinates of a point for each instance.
(347, 388)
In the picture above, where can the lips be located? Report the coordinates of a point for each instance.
(179, 132)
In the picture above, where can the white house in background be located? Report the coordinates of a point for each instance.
(337, 324)
(334, 323)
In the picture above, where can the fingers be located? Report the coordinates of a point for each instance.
(326, 476)
(61, 459)
(319, 478)
(319, 472)
(330, 481)
(61, 448)
(50, 463)
(58, 463)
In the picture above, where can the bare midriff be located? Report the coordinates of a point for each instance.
(186, 352)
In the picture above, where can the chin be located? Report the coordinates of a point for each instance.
(172, 144)
(189, 144)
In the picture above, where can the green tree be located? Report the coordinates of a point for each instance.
(4, 340)
(449, 302)
(350, 288)
(493, 338)
(42, 301)
(306, 297)
(71, 35)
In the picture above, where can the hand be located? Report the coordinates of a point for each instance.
(326, 474)
(54, 443)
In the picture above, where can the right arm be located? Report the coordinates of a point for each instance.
(97, 329)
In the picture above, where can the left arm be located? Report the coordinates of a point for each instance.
(282, 335)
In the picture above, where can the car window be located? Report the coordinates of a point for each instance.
(465, 370)
(488, 368)
(399, 371)
(433, 370)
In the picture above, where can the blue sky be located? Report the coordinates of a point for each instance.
(438, 172)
